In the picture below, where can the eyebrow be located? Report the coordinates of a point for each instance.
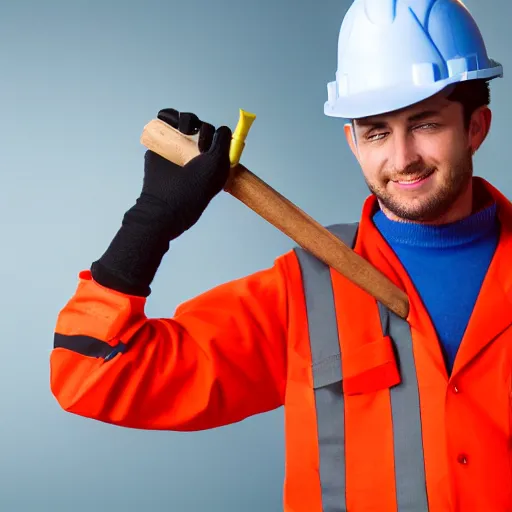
(376, 123)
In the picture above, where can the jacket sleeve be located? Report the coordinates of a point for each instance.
(221, 357)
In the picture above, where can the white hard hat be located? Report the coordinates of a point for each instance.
(394, 53)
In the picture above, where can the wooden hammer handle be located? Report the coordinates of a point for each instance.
(285, 216)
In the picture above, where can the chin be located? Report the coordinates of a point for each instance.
(429, 208)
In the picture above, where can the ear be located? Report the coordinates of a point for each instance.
(350, 136)
(479, 127)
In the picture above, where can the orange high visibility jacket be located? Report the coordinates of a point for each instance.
(373, 420)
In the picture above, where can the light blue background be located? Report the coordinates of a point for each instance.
(79, 80)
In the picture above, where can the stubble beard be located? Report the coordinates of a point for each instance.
(438, 203)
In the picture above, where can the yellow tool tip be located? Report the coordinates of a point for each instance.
(239, 135)
(247, 115)
(244, 124)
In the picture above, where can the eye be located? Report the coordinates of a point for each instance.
(426, 126)
(376, 136)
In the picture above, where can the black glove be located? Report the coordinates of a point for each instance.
(172, 200)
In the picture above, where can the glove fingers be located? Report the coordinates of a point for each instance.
(169, 116)
(210, 140)
(185, 122)
(206, 134)
(221, 141)
(189, 123)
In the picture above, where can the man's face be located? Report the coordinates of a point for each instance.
(417, 161)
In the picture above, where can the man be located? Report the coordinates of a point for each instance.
(382, 414)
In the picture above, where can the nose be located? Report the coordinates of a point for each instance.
(404, 151)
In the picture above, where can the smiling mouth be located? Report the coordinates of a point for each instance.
(413, 180)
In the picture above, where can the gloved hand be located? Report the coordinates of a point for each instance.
(186, 191)
(172, 200)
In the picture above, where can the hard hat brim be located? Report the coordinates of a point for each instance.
(383, 101)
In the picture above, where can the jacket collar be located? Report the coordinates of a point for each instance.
(493, 310)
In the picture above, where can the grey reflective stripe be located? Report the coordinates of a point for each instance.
(329, 400)
(327, 375)
(411, 491)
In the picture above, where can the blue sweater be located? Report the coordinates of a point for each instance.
(447, 265)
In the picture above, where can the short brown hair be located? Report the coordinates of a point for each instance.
(472, 94)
